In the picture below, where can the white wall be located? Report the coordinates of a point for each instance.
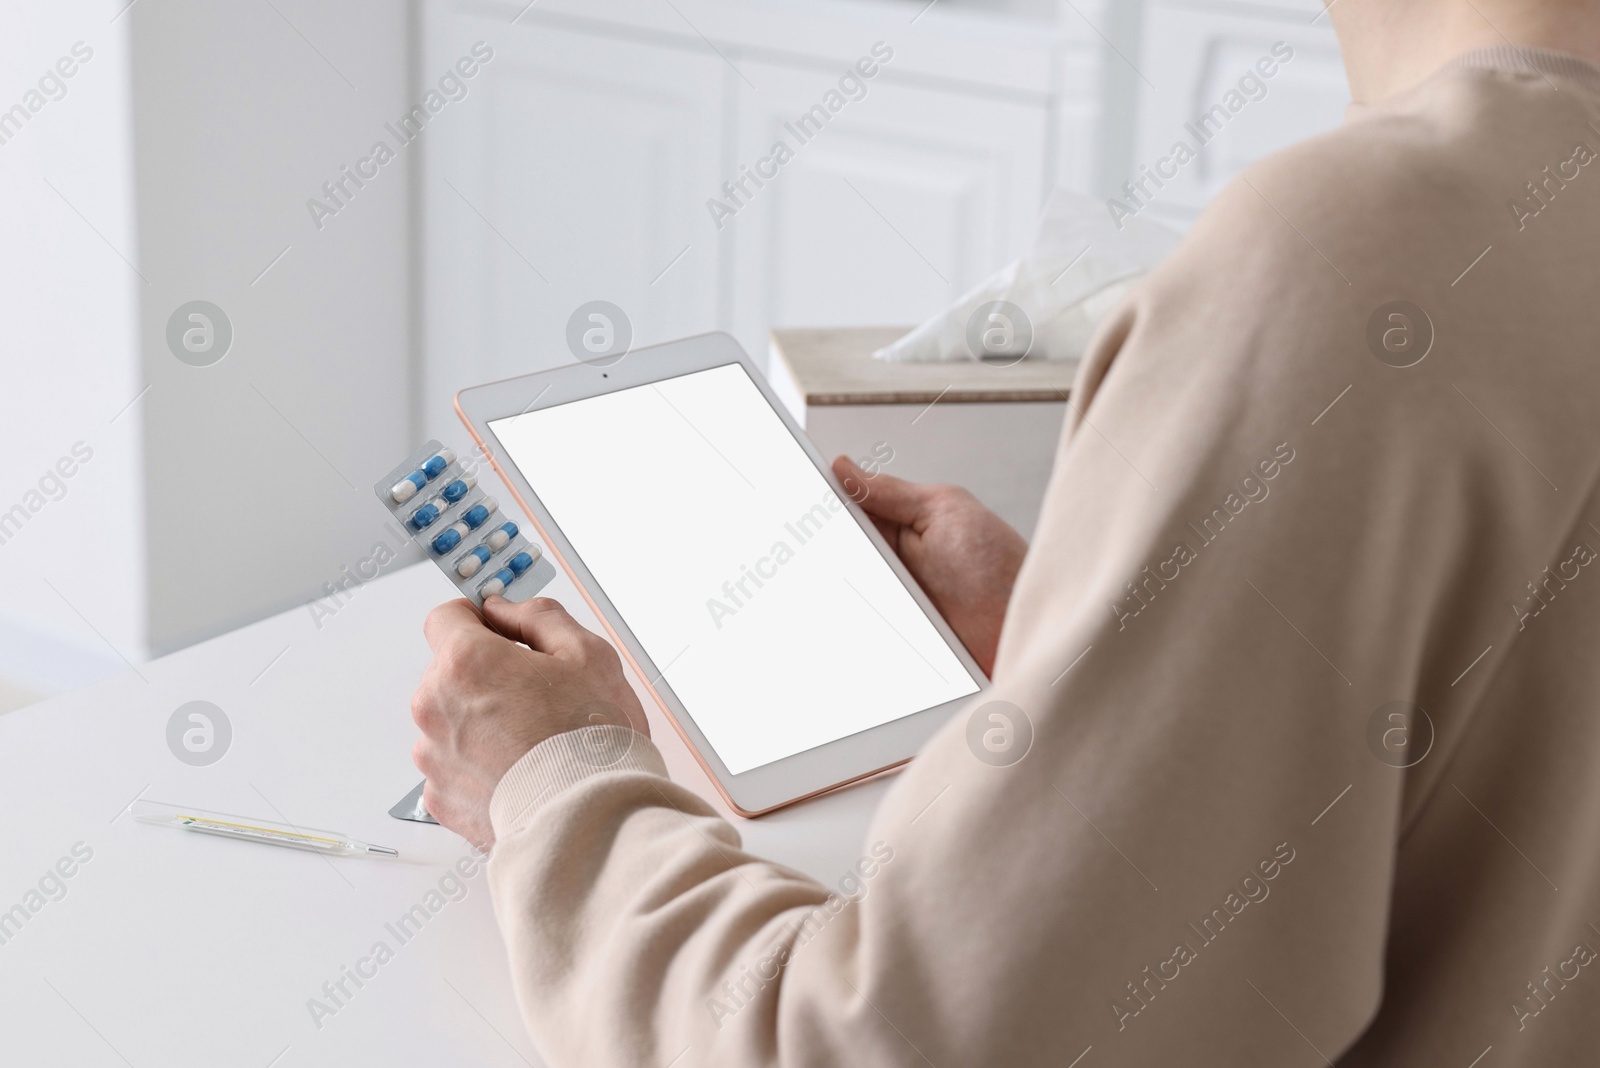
(68, 365)
(259, 468)
(177, 166)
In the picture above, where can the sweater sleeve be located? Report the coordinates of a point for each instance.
(1167, 833)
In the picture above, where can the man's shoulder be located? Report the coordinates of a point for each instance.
(1393, 201)
(1356, 187)
(1468, 156)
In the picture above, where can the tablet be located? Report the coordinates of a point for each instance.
(757, 603)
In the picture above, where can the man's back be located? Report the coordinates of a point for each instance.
(1497, 882)
(1421, 331)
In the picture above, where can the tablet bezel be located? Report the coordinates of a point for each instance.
(790, 779)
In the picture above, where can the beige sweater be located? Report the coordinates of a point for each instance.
(1258, 536)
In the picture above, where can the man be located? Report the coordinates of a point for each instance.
(1305, 638)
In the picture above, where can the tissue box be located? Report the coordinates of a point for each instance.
(990, 428)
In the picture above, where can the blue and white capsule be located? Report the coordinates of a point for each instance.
(471, 563)
(479, 513)
(437, 463)
(449, 538)
(424, 517)
(500, 537)
(458, 489)
(515, 568)
(407, 487)
(496, 585)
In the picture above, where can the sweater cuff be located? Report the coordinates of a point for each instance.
(563, 761)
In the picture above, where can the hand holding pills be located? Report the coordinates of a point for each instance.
(499, 684)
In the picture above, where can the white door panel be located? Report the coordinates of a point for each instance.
(576, 173)
(902, 202)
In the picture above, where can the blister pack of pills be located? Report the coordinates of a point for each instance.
(437, 499)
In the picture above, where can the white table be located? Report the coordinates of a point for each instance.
(170, 948)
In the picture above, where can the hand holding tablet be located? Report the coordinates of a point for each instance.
(965, 557)
(762, 609)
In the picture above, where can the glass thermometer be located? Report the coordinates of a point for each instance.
(254, 830)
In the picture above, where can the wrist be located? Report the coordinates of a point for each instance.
(552, 723)
(562, 762)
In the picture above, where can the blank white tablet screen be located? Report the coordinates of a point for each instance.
(720, 544)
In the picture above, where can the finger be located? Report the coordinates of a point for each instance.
(425, 706)
(540, 623)
(890, 498)
(852, 478)
(452, 621)
(890, 531)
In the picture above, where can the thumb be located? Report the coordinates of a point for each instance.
(540, 623)
(883, 496)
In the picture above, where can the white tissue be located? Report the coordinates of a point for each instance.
(1080, 267)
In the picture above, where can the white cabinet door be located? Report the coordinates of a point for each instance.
(575, 171)
(1196, 59)
(904, 200)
